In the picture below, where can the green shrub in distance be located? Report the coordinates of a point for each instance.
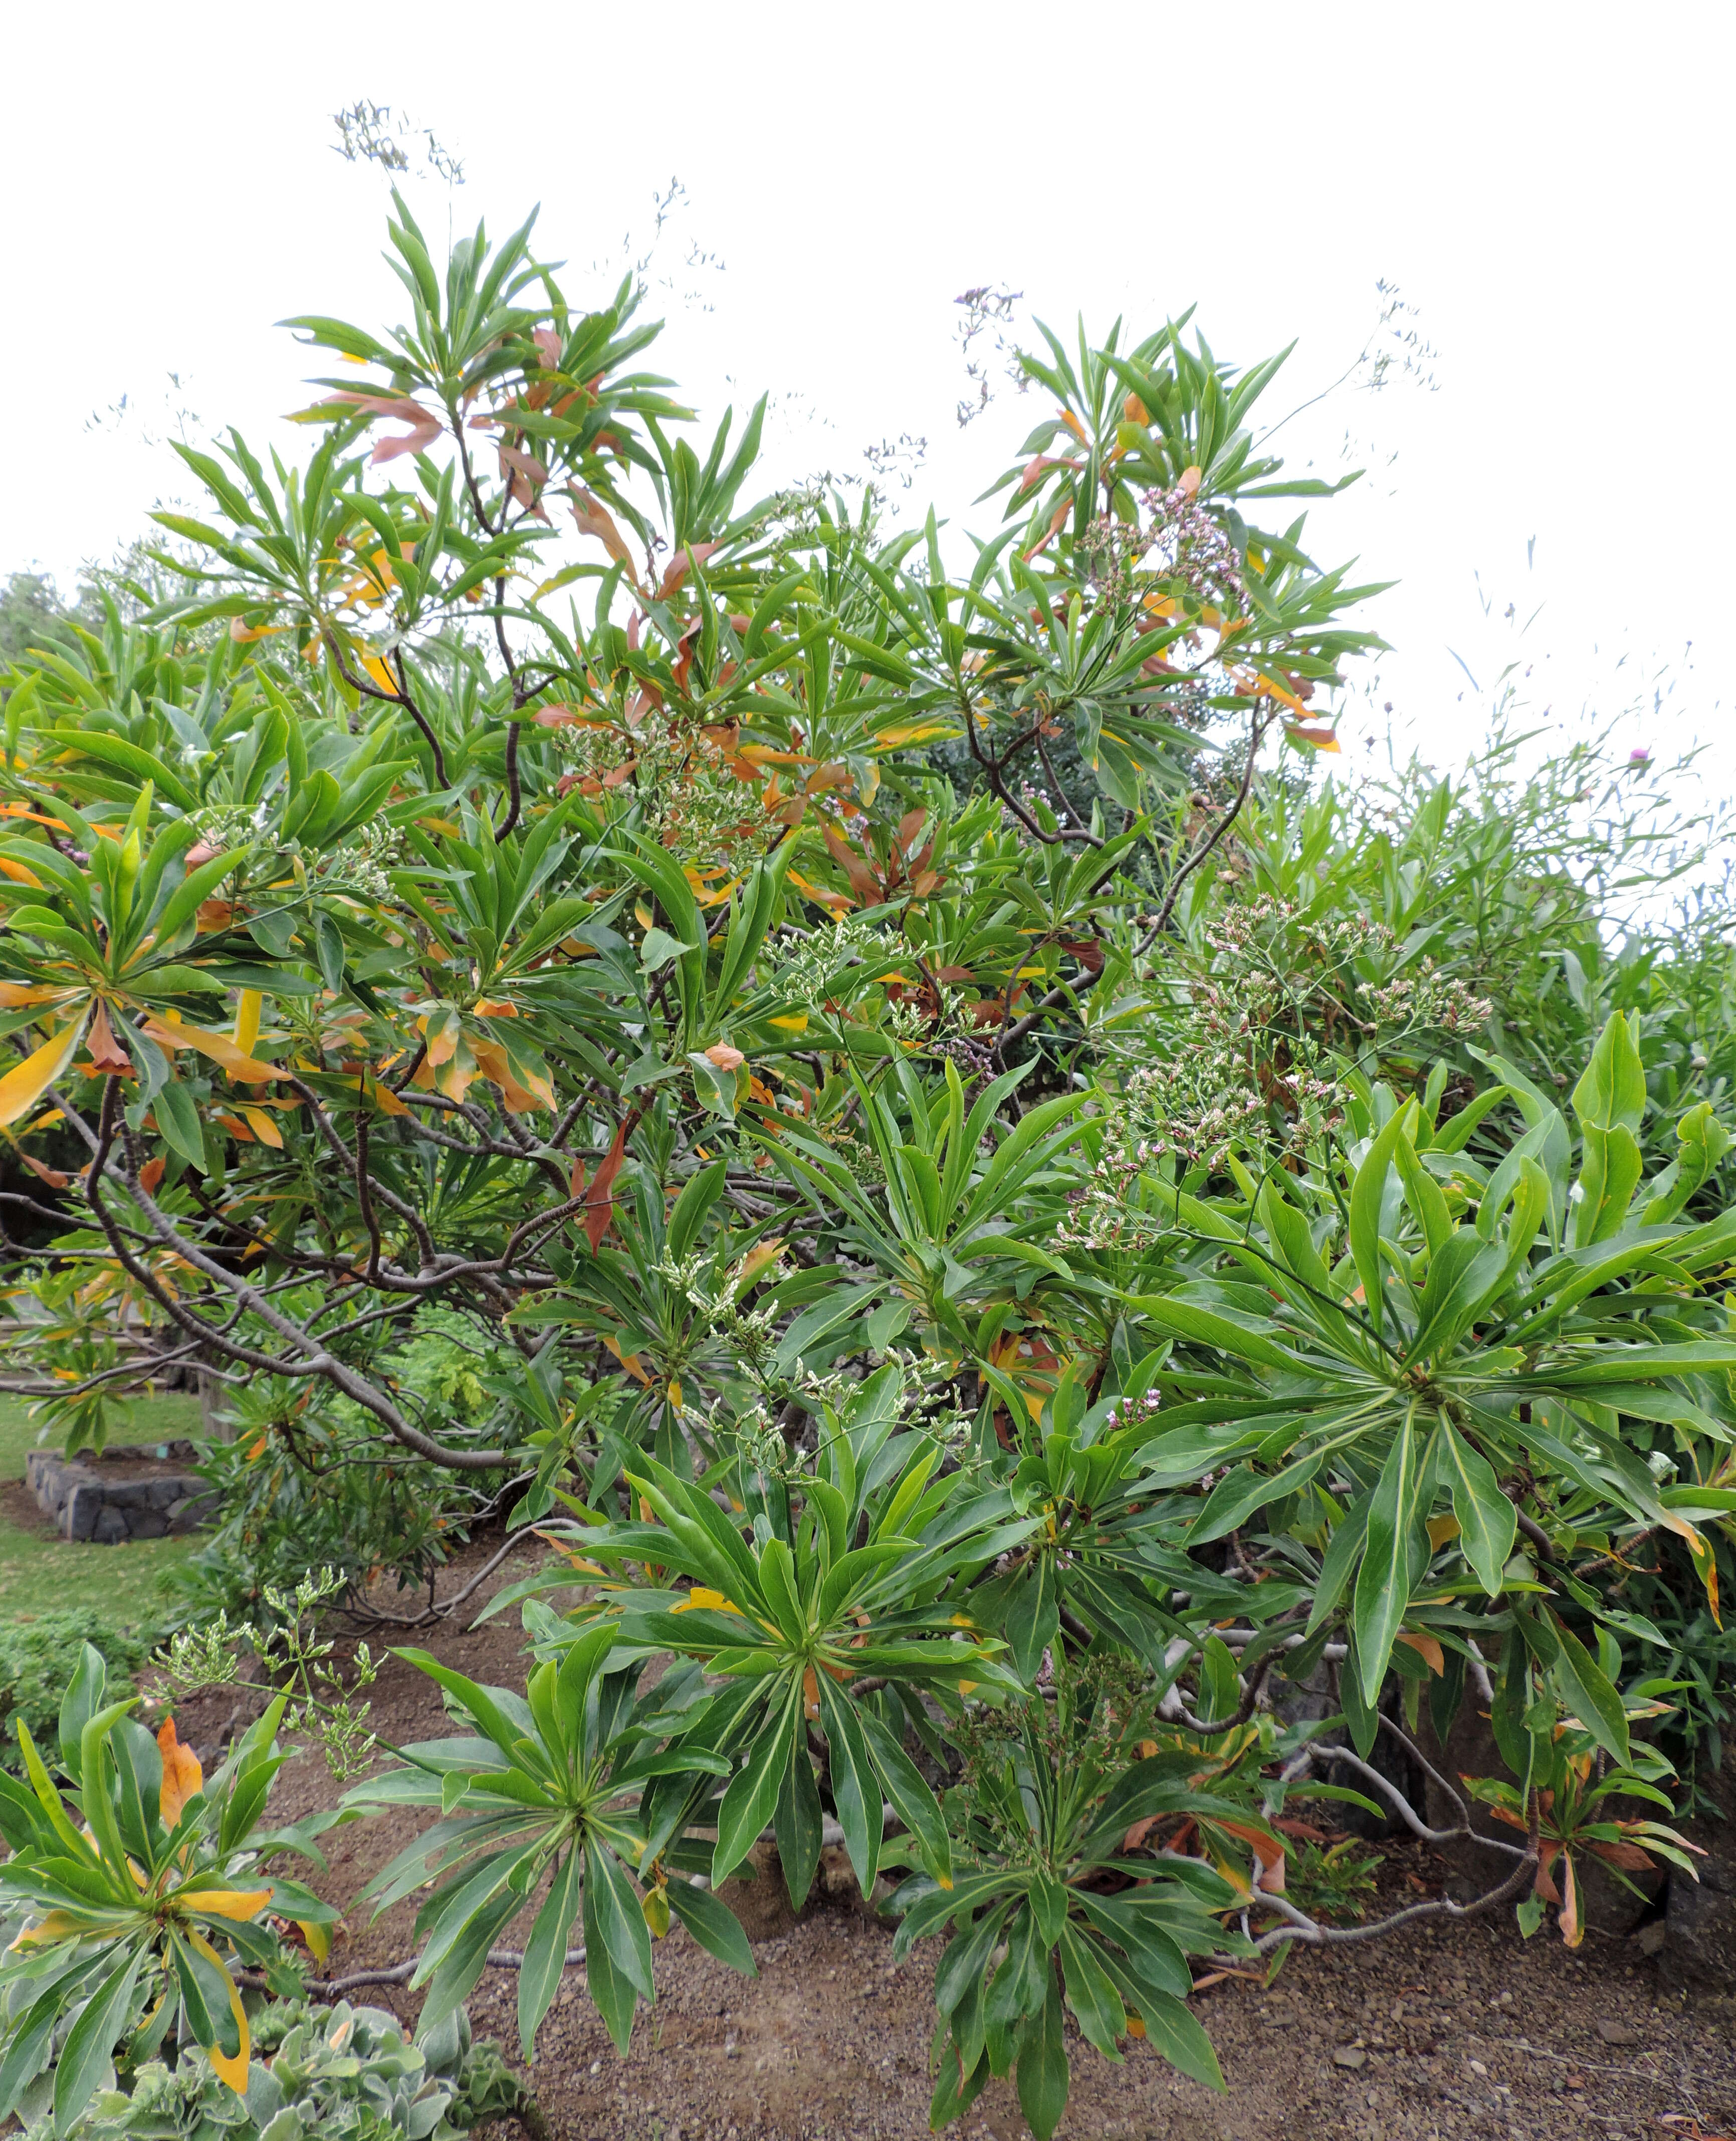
(39, 1655)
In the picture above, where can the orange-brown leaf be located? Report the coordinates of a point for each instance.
(182, 1776)
(692, 555)
(599, 1199)
(1314, 737)
(1573, 1931)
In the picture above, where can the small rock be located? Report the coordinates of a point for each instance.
(731, 2050)
(1480, 2070)
(1614, 2032)
(110, 1527)
(1350, 2055)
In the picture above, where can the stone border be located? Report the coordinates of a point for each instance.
(107, 1511)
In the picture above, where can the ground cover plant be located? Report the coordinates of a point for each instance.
(1055, 1290)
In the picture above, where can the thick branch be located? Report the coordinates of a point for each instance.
(1060, 993)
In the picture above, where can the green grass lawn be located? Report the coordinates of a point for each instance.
(39, 1571)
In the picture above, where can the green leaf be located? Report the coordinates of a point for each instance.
(1586, 1689)
(84, 2058)
(1241, 1491)
(1382, 1581)
(1241, 1337)
(545, 1952)
(1339, 1561)
(614, 1993)
(30, 2032)
(178, 1120)
(907, 1790)
(800, 1823)
(1426, 1197)
(691, 1206)
(714, 1925)
(1487, 1523)
(1043, 2075)
(1033, 1615)
(855, 1787)
(752, 1794)
(1173, 2030)
(1610, 1100)
(127, 758)
(1091, 1994)
(612, 1905)
(1368, 1192)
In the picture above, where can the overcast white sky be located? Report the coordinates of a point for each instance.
(1548, 185)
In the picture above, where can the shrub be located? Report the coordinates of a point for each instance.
(983, 1272)
(40, 1656)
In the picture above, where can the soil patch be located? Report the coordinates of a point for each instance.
(1442, 2033)
(19, 1509)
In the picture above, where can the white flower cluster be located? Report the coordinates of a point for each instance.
(1279, 1006)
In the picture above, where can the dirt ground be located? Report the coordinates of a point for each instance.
(1444, 2033)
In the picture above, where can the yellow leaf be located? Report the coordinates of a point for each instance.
(385, 1099)
(21, 1088)
(675, 1395)
(240, 1904)
(218, 1046)
(911, 732)
(19, 873)
(263, 1128)
(755, 1261)
(231, 2068)
(630, 1362)
(796, 1024)
(1427, 1648)
(318, 1938)
(15, 995)
(247, 1021)
(1701, 1555)
(655, 1904)
(55, 1926)
(699, 1595)
(1441, 1529)
(494, 1063)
